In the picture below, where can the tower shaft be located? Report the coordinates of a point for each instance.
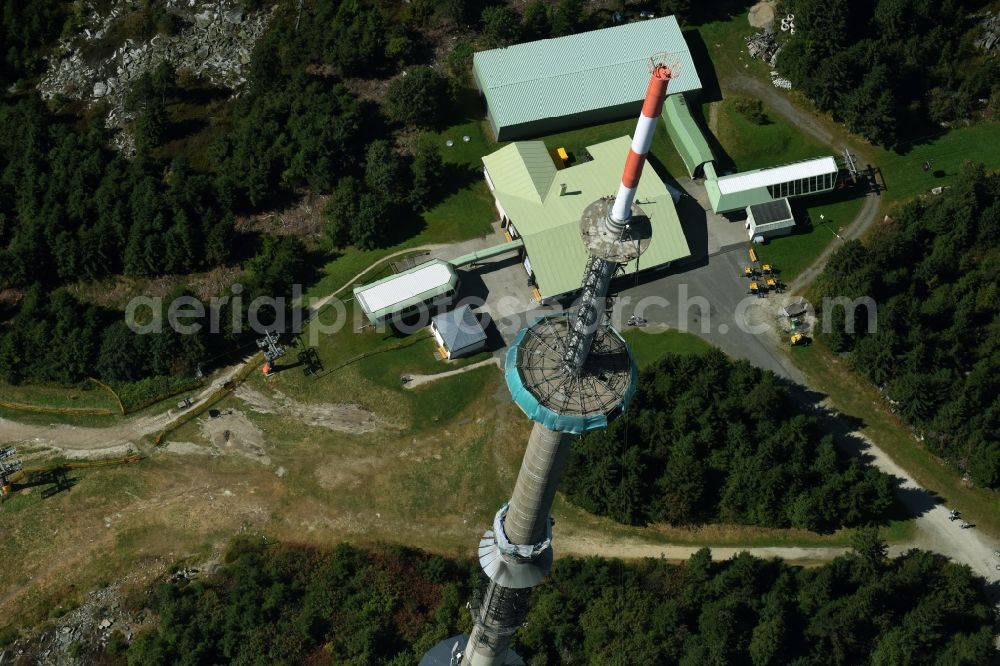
(570, 375)
(544, 462)
(527, 522)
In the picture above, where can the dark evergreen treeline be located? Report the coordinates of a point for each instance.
(934, 273)
(25, 28)
(55, 338)
(886, 68)
(858, 609)
(73, 210)
(711, 439)
(285, 604)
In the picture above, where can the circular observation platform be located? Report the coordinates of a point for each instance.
(549, 393)
(619, 245)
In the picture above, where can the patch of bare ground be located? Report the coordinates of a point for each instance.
(232, 432)
(10, 297)
(115, 292)
(189, 449)
(341, 416)
(762, 14)
(368, 90)
(302, 218)
(345, 474)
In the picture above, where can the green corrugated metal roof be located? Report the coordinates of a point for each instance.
(551, 226)
(685, 133)
(525, 167)
(557, 77)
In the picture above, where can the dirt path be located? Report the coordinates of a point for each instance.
(420, 248)
(936, 532)
(809, 124)
(626, 549)
(803, 120)
(419, 380)
(80, 441)
(855, 229)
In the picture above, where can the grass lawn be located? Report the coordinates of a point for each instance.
(903, 173)
(466, 212)
(648, 344)
(469, 211)
(725, 45)
(367, 365)
(855, 397)
(86, 395)
(338, 271)
(753, 146)
(794, 253)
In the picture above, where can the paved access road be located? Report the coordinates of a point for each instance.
(710, 300)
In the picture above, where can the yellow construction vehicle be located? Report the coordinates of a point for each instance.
(766, 268)
(755, 288)
(753, 256)
(798, 339)
(747, 271)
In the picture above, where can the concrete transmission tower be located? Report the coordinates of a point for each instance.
(571, 373)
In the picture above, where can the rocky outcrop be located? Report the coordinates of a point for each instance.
(988, 37)
(214, 43)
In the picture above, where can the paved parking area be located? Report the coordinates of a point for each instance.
(710, 300)
(705, 295)
(707, 233)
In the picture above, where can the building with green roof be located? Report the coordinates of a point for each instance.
(542, 205)
(550, 85)
(432, 283)
(685, 134)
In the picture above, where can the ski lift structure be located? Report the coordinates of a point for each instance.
(272, 351)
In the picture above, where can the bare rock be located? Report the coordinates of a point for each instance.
(203, 19)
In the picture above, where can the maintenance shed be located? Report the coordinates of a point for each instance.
(773, 218)
(458, 333)
(686, 135)
(543, 206)
(431, 284)
(551, 85)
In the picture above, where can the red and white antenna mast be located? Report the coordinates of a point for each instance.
(656, 93)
